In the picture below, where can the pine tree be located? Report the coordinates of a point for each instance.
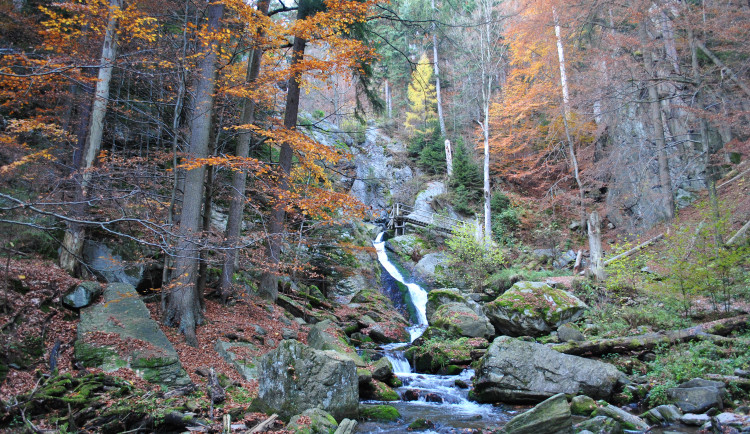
(421, 116)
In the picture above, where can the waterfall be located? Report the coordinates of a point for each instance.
(416, 293)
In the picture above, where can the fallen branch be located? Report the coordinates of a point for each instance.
(740, 233)
(265, 424)
(634, 249)
(712, 331)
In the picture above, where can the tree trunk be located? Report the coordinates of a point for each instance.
(75, 234)
(708, 151)
(595, 247)
(269, 280)
(388, 102)
(449, 157)
(183, 306)
(566, 118)
(441, 120)
(239, 177)
(712, 331)
(656, 119)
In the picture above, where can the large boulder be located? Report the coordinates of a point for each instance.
(533, 309)
(441, 296)
(698, 395)
(516, 371)
(430, 265)
(295, 377)
(551, 416)
(82, 295)
(461, 320)
(407, 246)
(120, 333)
(326, 335)
(235, 353)
(312, 421)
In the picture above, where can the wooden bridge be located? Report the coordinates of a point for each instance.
(401, 215)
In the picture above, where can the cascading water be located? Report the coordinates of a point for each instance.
(437, 398)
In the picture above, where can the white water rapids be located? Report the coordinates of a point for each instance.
(438, 398)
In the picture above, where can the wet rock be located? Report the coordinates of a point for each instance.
(382, 413)
(533, 309)
(295, 377)
(312, 421)
(516, 371)
(382, 369)
(411, 395)
(551, 416)
(82, 295)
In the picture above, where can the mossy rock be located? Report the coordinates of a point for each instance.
(317, 422)
(582, 405)
(91, 356)
(383, 392)
(421, 425)
(381, 413)
(439, 297)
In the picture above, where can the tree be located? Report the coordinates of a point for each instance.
(420, 118)
(183, 306)
(74, 236)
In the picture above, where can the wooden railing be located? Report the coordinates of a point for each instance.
(402, 214)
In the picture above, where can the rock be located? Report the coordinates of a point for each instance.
(312, 421)
(288, 333)
(347, 426)
(124, 316)
(599, 425)
(82, 295)
(695, 419)
(516, 371)
(364, 377)
(388, 332)
(533, 309)
(441, 296)
(406, 246)
(582, 405)
(382, 369)
(565, 259)
(328, 336)
(461, 320)
(663, 414)
(121, 263)
(567, 333)
(295, 377)
(430, 265)
(627, 420)
(421, 425)
(729, 419)
(380, 391)
(382, 413)
(245, 366)
(696, 399)
(551, 416)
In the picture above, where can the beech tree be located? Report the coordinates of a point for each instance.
(420, 117)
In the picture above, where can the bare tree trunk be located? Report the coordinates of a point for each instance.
(269, 280)
(75, 234)
(566, 118)
(183, 306)
(388, 102)
(441, 120)
(656, 120)
(449, 157)
(486, 44)
(239, 178)
(595, 247)
(711, 172)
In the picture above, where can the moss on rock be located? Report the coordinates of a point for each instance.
(382, 413)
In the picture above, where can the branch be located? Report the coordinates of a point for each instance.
(721, 64)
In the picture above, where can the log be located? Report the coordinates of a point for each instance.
(712, 331)
(740, 233)
(634, 249)
(579, 258)
(265, 424)
(215, 391)
(743, 383)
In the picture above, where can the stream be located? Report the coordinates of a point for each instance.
(440, 400)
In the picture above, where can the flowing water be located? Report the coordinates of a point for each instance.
(441, 399)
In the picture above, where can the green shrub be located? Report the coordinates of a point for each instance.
(471, 260)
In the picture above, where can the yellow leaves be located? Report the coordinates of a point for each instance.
(36, 156)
